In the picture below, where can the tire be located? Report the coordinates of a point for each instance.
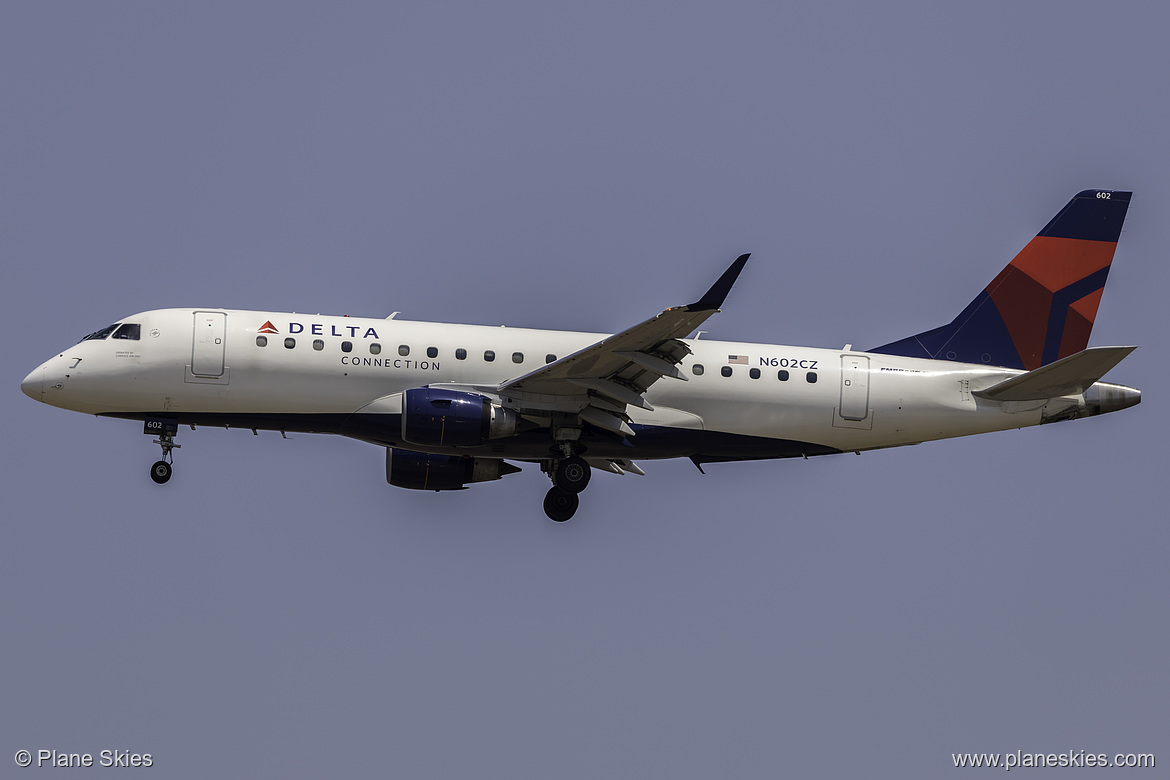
(160, 472)
(560, 504)
(573, 474)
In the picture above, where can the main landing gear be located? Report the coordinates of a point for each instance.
(570, 475)
(560, 504)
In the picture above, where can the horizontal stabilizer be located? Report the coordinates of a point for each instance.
(1069, 376)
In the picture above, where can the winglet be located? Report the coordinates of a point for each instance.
(713, 298)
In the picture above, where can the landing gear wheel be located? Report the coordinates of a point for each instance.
(160, 472)
(572, 474)
(560, 504)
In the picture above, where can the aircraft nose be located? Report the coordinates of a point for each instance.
(33, 384)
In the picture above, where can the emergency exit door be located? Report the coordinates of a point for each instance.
(207, 348)
(854, 387)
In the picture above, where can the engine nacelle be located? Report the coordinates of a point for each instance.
(420, 471)
(451, 418)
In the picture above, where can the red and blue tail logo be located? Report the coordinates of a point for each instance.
(1041, 307)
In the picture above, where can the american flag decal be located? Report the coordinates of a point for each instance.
(737, 360)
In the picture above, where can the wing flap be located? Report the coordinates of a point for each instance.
(613, 391)
(653, 363)
(619, 466)
(606, 420)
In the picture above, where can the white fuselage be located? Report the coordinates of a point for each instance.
(328, 374)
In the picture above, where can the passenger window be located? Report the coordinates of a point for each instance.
(517, 357)
(262, 341)
(811, 376)
(375, 348)
(782, 375)
(131, 331)
(318, 344)
(432, 352)
(347, 346)
(461, 354)
(754, 373)
(550, 359)
(726, 371)
(697, 369)
(403, 350)
(489, 355)
(289, 343)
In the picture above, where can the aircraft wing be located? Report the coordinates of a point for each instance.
(598, 382)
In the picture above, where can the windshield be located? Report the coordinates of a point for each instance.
(129, 330)
(103, 333)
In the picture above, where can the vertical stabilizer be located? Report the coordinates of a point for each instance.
(1041, 307)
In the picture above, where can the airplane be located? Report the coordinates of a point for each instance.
(454, 404)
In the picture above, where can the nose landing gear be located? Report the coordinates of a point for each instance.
(160, 472)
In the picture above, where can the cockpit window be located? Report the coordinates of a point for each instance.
(103, 333)
(129, 330)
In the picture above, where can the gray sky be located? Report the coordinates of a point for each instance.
(278, 610)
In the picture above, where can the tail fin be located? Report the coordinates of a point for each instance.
(1041, 307)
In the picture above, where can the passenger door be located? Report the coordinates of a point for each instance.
(854, 387)
(208, 344)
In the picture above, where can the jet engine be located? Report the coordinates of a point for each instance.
(420, 471)
(452, 418)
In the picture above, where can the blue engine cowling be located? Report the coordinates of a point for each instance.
(420, 471)
(451, 418)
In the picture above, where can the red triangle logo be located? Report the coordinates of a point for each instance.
(268, 327)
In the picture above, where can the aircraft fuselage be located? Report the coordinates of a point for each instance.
(343, 374)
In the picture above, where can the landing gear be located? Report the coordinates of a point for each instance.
(569, 474)
(160, 472)
(560, 504)
(566, 468)
(572, 474)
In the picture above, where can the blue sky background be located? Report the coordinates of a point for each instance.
(278, 610)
